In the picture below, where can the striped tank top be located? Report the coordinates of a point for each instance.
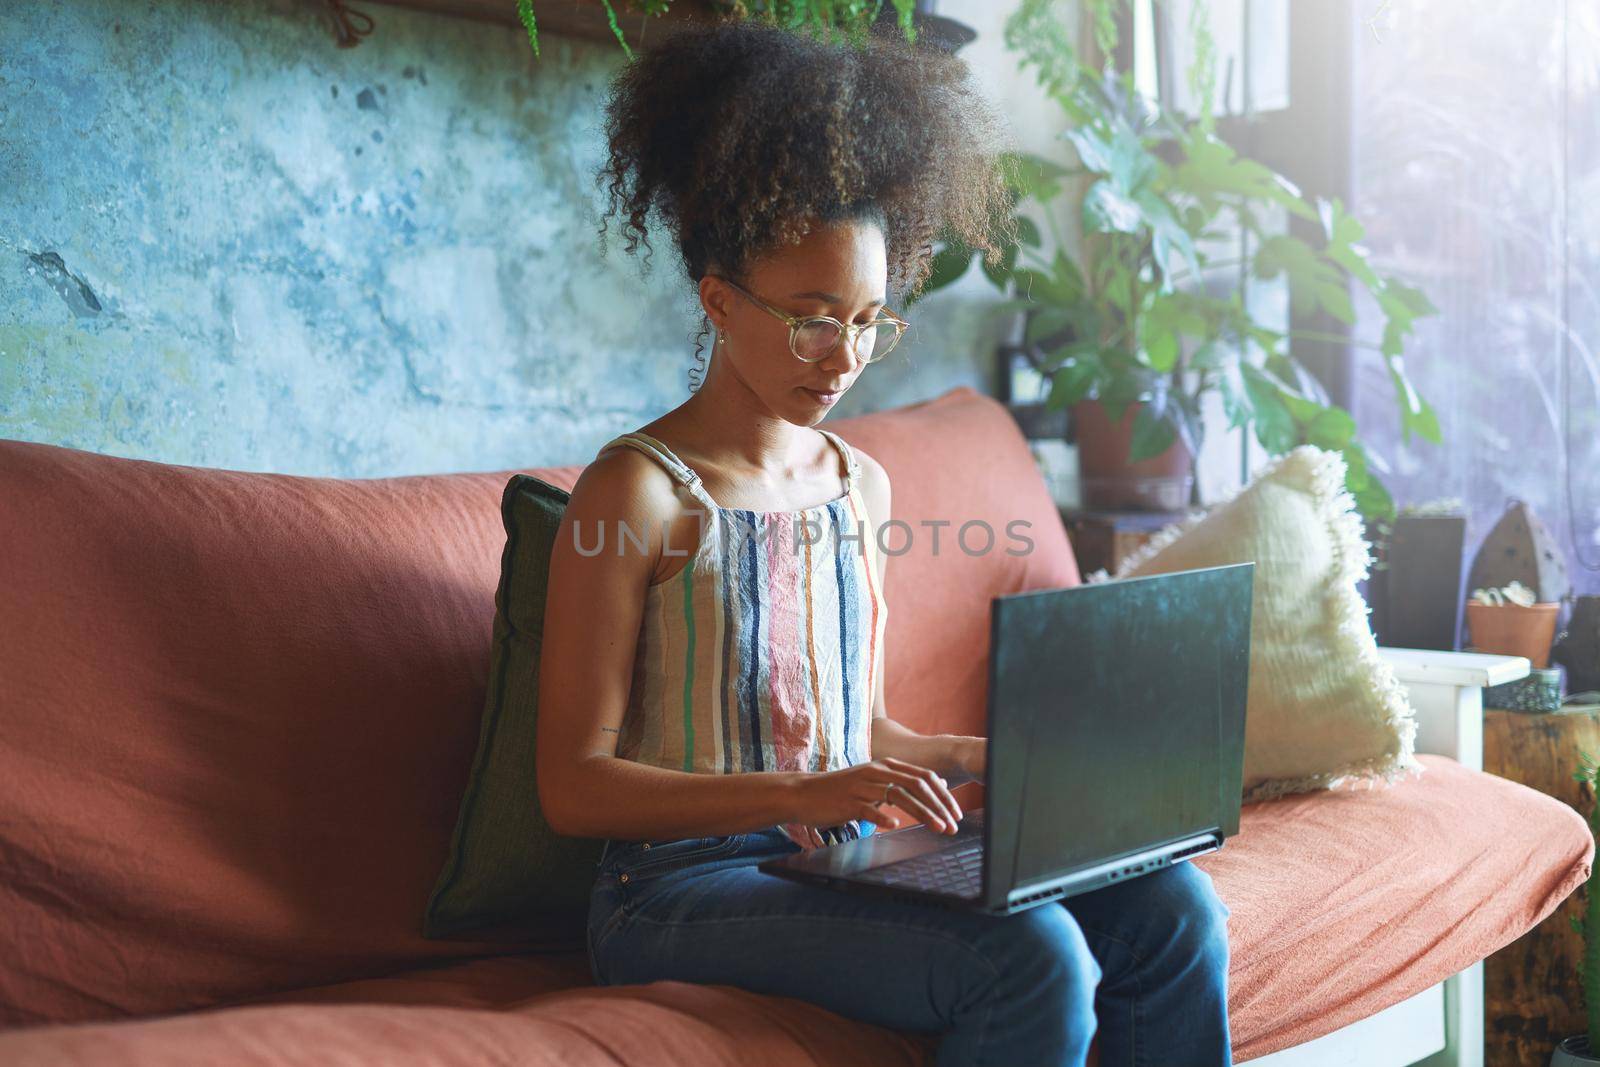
(759, 654)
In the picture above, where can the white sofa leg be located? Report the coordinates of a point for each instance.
(1463, 1021)
(1449, 721)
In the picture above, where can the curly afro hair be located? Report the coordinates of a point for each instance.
(742, 136)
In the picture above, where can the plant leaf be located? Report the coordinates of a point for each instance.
(1274, 425)
(1356, 476)
(1161, 351)
(1033, 176)
(1152, 434)
(1313, 280)
(1000, 274)
(1047, 322)
(1211, 170)
(1167, 235)
(1374, 501)
(525, 13)
(1119, 389)
(1332, 429)
(1028, 232)
(1074, 379)
(1108, 210)
(948, 265)
(1236, 402)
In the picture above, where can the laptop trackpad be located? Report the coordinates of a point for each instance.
(882, 847)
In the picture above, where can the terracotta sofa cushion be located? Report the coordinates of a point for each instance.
(1325, 930)
(240, 709)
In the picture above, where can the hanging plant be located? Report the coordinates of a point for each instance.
(852, 19)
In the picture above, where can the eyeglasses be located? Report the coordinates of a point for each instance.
(812, 337)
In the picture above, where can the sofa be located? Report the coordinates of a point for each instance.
(238, 712)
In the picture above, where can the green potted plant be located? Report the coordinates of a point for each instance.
(1580, 1048)
(1128, 332)
(852, 18)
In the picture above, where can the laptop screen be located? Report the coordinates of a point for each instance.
(1116, 719)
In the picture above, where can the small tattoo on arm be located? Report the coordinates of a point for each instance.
(610, 730)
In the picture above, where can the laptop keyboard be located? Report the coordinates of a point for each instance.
(954, 871)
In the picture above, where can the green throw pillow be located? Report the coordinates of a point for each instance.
(509, 875)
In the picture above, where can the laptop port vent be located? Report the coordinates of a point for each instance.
(1204, 846)
(1048, 894)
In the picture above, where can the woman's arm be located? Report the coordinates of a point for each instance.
(593, 611)
(955, 755)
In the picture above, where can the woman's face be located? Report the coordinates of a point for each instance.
(839, 269)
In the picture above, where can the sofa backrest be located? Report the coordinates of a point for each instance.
(958, 459)
(237, 710)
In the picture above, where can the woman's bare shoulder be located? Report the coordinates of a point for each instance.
(624, 484)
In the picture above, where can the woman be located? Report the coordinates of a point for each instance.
(713, 695)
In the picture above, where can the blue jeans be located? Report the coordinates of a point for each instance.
(1146, 960)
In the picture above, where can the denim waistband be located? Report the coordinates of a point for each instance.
(767, 835)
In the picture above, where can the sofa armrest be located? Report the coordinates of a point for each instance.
(1446, 689)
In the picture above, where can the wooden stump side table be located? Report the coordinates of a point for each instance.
(1531, 995)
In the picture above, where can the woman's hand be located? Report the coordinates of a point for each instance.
(833, 797)
(805, 836)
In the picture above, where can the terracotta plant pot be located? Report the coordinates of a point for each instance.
(1110, 481)
(1513, 630)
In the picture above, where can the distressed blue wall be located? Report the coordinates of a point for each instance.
(226, 242)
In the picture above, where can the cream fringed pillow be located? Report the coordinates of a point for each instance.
(1324, 708)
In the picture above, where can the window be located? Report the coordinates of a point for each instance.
(1466, 138)
(1476, 151)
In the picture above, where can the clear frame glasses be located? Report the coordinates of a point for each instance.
(812, 337)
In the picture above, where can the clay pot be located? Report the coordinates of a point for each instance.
(1109, 481)
(1513, 630)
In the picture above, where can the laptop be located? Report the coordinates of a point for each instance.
(1116, 748)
